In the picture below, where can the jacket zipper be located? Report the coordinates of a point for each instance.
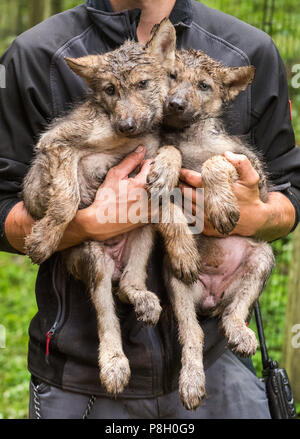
(59, 319)
(158, 359)
(49, 337)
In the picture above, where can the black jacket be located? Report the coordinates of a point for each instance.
(39, 87)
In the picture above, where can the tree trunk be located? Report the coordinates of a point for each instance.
(291, 347)
(56, 6)
(19, 24)
(36, 11)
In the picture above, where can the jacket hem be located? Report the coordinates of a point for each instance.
(97, 392)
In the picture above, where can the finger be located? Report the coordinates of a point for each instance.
(129, 164)
(191, 194)
(141, 177)
(183, 185)
(247, 173)
(193, 178)
(139, 167)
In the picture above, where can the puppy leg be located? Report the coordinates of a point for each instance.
(240, 297)
(220, 203)
(173, 225)
(164, 175)
(89, 264)
(132, 287)
(191, 337)
(180, 243)
(62, 207)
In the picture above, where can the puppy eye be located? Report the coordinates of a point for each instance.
(143, 84)
(110, 90)
(204, 86)
(173, 75)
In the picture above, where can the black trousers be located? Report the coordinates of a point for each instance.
(234, 392)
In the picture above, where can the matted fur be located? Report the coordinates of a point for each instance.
(128, 88)
(234, 269)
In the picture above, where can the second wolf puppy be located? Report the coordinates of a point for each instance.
(234, 269)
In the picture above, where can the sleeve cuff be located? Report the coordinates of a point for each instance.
(5, 207)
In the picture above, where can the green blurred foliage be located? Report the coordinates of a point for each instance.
(17, 307)
(16, 16)
(283, 24)
(273, 303)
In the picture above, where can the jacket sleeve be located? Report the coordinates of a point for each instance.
(272, 131)
(24, 111)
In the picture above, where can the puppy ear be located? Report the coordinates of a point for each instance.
(162, 43)
(237, 79)
(84, 67)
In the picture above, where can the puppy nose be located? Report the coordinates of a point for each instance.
(177, 104)
(127, 126)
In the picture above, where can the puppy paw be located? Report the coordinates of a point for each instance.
(161, 180)
(192, 385)
(114, 373)
(147, 307)
(38, 251)
(186, 270)
(185, 260)
(224, 218)
(241, 339)
(146, 304)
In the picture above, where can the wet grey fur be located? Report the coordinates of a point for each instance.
(128, 88)
(200, 92)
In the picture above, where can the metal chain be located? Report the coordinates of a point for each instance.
(89, 407)
(37, 406)
(36, 401)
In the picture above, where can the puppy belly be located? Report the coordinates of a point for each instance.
(115, 248)
(222, 266)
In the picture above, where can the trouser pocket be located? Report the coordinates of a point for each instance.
(49, 402)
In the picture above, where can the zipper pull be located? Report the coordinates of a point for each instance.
(49, 336)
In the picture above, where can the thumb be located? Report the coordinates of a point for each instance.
(248, 175)
(127, 165)
(141, 177)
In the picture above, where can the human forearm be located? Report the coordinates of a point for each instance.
(18, 224)
(85, 225)
(267, 221)
(276, 220)
(280, 218)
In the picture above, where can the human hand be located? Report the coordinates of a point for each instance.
(86, 224)
(254, 214)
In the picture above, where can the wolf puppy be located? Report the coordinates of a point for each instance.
(234, 269)
(128, 88)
